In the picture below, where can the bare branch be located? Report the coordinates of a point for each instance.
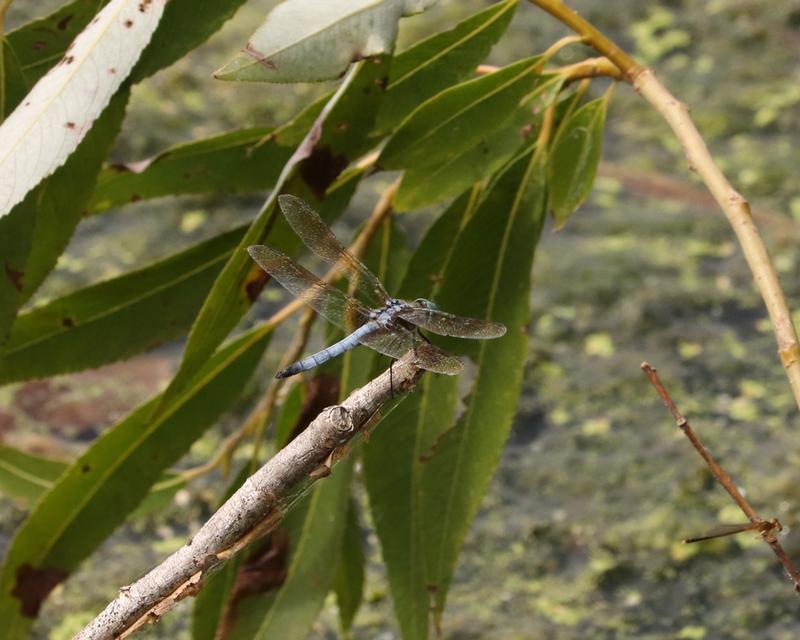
(764, 527)
(254, 510)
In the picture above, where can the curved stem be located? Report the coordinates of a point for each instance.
(732, 203)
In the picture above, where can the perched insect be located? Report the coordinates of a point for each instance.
(763, 527)
(383, 323)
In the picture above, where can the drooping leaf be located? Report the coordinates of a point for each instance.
(392, 465)
(24, 476)
(35, 233)
(147, 306)
(492, 260)
(233, 162)
(424, 186)
(302, 42)
(451, 122)
(110, 479)
(58, 112)
(574, 158)
(349, 581)
(337, 137)
(441, 60)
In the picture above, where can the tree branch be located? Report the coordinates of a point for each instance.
(764, 527)
(732, 203)
(254, 510)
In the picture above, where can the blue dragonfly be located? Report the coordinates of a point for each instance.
(383, 323)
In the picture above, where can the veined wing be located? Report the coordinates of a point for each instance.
(396, 343)
(318, 237)
(448, 324)
(328, 301)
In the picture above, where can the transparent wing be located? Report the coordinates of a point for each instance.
(396, 343)
(318, 237)
(447, 324)
(328, 301)
(723, 530)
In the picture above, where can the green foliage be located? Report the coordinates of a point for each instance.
(575, 156)
(149, 306)
(428, 464)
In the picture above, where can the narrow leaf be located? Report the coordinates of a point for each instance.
(349, 581)
(424, 186)
(58, 112)
(235, 162)
(148, 306)
(302, 42)
(24, 476)
(392, 465)
(492, 261)
(110, 479)
(449, 123)
(574, 158)
(441, 60)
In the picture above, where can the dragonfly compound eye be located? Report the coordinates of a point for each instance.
(425, 304)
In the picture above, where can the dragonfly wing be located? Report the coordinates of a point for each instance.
(447, 324)
(318, 237)
(326, 300)
(396, 343)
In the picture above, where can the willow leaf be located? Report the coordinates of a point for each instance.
(440, 61)
(574, 158)
(451, 122)
(492, 260)
(148, 306)
(392, 457)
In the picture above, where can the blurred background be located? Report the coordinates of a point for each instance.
(579, 536)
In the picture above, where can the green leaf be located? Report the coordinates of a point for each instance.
(440, 61)
(301, 42)
(392, 465)
(341, 137)
(492, 260)
(111, 478)
(35, 233)
(451, 122)
(424, 186)
(349, 581)
(147, 306)
(24, 476)
(574, 158)
(233, 162)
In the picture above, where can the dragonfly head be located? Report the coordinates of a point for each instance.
(424, 303)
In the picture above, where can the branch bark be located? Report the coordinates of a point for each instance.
(254, 510)
(732, 203)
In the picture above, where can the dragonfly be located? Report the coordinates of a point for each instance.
(385, 324)
(762, 527)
